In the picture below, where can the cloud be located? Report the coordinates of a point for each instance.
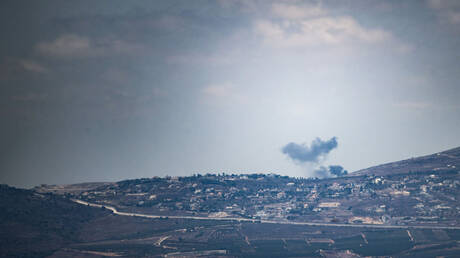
(16, 68)
(454, 17)
(443, 4)
(243, 5)
(447, 10)
(32, 66)
(76, 46)
(303, 153)
(66, 46)
(293, 12)
(219, 90)
(297, 25)
(224, 95)
(317, 31)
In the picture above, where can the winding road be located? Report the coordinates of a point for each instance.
(131, 214)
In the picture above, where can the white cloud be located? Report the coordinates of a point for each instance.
(293, 12)
(294, 24)
(76, 46)
(317, 31)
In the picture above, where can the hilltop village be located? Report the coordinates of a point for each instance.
(408, 208)
(424, 198)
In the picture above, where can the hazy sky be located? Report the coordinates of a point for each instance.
(109, 90)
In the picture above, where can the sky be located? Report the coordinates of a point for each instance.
(110, 90)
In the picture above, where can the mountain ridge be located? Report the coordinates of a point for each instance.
(438, 162)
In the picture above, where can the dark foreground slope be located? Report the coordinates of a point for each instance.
(439, 162)
(33, 224)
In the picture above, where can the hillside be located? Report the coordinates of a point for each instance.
(414, 192)
(439, 162)
(36, 225)
(407, 208)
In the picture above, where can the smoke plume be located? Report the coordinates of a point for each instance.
(303, 153)
(311, 157)
(331, 171)
(337, 170)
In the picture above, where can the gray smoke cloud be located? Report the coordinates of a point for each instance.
(331, 171)
(311, 157)
(337, 170)
(303, 153)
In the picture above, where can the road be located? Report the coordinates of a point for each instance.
(115, 211)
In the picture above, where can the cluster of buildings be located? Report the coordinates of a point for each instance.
(390, 199)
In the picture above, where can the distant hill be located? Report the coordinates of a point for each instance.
(438, 162)
(409, 210)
